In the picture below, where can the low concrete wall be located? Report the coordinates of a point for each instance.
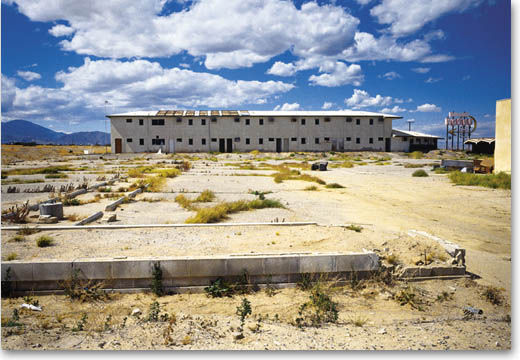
(121, 274)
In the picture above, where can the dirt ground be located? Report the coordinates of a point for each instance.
(385, 200)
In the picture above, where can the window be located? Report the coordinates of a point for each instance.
(190, 122)
(158, 141)
(260, 141)
(371, 121)
(348, 138)
(303, 121)
(237, 119)
(327, 139)
(141, 141)
(358, 121)
(203, 141)
(213, 139)
(141, 122)
(405, 139)
(327, 119)
(316, 121)
(379, 139)
(294, 139)
(316, 140)
(261, 122)
(294, 120)
(271, 139)
(349, 119)
(247, 121)
(371, 140)
(203, 121)
(179, 120)
(128, 120)
(271, 119)
(190, 141)
(237, 139)
(417, 141)
(381, 119)
(179, 139)
(129, 140)
(304, 141)
(247, 141)
(358, 141)
(158, 121)
(213, 119)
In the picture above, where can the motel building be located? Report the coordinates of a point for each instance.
(230, 130)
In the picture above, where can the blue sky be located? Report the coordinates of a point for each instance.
(419, 59)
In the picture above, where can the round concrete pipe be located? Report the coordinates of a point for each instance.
(55, 209)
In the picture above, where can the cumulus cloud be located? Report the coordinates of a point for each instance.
(138, 84)
(362, 99)
(428, 108)
(327, 105)
(28, 75)
(61, 30)
(405, 17)
(396, 109)
(421, 70)
(282, 69)
(338, 74)
(432, 80)
(391, 75)
(287, 107)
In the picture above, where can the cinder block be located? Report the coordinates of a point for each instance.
(174, 268)
(281, 265)
(317, 264)
(253, 265)
(207, 267)
(93, 269)
(52, 271)
(357, 262)
(132, 269)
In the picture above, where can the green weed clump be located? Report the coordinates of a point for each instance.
(494, 181)
(413, 166)
(44, 241)
(168, 173)
(311, 188)
(41, 170)
(221, 211)
(416, 155)
(318, 310)
(139, 172)
(285, 173)
(206, 196)
(11, 256)
(184, 202)
(150, 184)
(56, 176)
(334, 186)
(17, 238)
(354, 228)
(219, 288)
(344, 164)
(420, 173)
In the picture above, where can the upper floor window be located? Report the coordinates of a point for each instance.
(129, 140)
(128, 120)
(141, 122)
(247, 121)
(358, 121)
(316, 121)
(203, 121)
(303, 121)
(261, 122)
(327, 119)
(237, 119)
(349, 119)
(157, 121)
(190, 122)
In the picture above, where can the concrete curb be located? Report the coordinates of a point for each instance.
(455, 251)
(186, 271)
(90, 219)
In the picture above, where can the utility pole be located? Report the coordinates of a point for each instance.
(106, 132)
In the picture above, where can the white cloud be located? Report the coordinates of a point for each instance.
(428, 108)
(282, 69)
(184, 65)
(361, 99)
(130, 85)
(405, 17)
(421, 70)
(432, 80)
(28, 75)
(287, 107)
(338, 74)
(363, 2)
(396, 109)
(391, 75)
(327, 105)
(61, 30)
(437, 58)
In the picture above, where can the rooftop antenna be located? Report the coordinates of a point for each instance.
(410, 121)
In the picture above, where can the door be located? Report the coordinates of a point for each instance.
(119, 146)
(229, 145)
(278, 145)
(172, 146)
(334, 144)
(222, 145)
(341, 145)
(286, 144)
(388, 147)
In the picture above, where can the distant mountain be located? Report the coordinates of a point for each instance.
(26, 131)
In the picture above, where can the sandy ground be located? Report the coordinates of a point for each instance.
(385, 200)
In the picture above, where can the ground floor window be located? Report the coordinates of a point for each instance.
(379, 139)
(247, 141)
(141, 141)
(129, 140)
(294, 139)
(203, 141)
(190, 141)
(316, 140)
(213, 139)
(348, 138)
(260, 141)
(158, 141)
(179, 139)
(304, 141)
(358, 141)
(371, 140)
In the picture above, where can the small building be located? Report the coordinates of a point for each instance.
(481, 145)
(408, 141)
(503, 136)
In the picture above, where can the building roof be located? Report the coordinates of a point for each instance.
(265, 113)
(406, 133)
(477, 140)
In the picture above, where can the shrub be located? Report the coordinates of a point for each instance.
(220, 212)
(413, 166)
(17, 214)
(334, 186)
(11, 256)
(494, 181)
(157, 286)
(184, 202)
(408, 296)
(416, 155)
(354, 228)
(420, 173)
(206, 196)
(17, 238)
(25, 230)
(311, 188)
(44, 241)
(56, 176)
(243, 311)
(71, 202)
(219, 288)
(255, 152)
(168, 173)
(83, 290)
(318, 310)
(493, 295)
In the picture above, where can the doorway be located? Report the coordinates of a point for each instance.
(286, 144)
(278, 145)
(172, 146)
(388, 147)
(229, 145)
(119, 146)
(222, 145)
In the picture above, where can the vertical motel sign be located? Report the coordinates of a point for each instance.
(462, 126)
